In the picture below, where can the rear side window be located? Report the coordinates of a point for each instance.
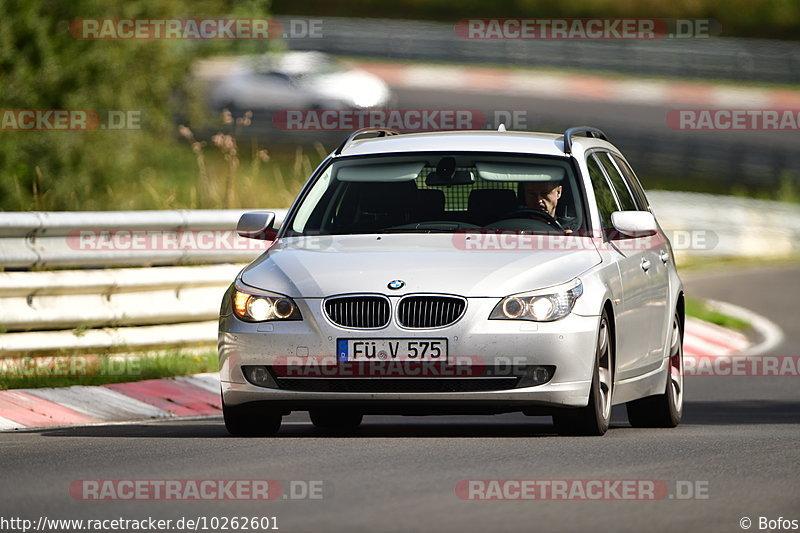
(636, 187)
(606, 203)
(624, 195)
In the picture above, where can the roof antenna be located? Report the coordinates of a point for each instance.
(501, 128)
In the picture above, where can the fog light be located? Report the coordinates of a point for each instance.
(258, 375)
(536, 375)
(541, 375)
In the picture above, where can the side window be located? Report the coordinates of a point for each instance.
(636, 187)
(276, 77)
(606, 203)
(312, 200)
(623, 194)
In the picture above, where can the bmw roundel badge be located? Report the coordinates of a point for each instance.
(396, 284)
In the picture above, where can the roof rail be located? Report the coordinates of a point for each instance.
(578, 130)
(353, 136)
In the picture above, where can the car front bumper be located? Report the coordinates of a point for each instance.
(567, 344)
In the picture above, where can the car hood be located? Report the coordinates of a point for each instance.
(317, 267)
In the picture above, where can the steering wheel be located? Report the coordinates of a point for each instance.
(528, 212)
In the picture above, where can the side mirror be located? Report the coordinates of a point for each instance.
(634, 223)
(257, 225)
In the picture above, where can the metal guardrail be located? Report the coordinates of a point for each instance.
(113, 297)
(108, 238)
(706, 58)
(182, 336)
(711, 225)
(97, 310)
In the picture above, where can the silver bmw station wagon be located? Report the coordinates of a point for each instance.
(470, 272)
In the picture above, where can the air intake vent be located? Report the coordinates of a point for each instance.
(430, 311)
(397, 385)
(360, 312)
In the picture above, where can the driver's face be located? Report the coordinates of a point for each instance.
(542, 195)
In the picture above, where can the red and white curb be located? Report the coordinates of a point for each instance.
(581, 87)
(704, 338)
(180, 397)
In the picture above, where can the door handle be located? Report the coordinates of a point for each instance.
(645, 264)
(664, 256)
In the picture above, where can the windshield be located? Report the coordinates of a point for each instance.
(441, 192)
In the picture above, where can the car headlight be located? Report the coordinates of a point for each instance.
(544, 305)
(261, 308)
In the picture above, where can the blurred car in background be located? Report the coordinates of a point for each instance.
(298, 80)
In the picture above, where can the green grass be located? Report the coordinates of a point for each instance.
(785, 190)
(700, 263)
(701, 309)
(178, 174)
(68, 370)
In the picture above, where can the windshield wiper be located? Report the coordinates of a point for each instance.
(418, 230)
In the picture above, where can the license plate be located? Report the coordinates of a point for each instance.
(391, 350)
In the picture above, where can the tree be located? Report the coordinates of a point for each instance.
(42, 66)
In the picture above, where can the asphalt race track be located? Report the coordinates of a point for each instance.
(541, 112)
(736, 449)
(638, 129)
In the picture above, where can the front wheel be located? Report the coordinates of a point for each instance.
(663, 410)
(249, 421)
(594, 419)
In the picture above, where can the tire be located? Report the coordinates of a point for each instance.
(663, 410)
(335, 421)
(250, 421)
(594, 419)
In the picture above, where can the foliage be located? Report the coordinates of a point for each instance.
(42, 66)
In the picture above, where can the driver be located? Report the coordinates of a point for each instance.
(544, 196)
